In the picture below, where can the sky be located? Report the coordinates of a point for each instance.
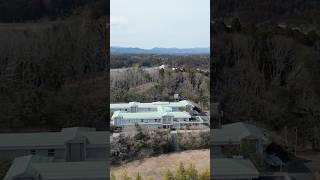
(160, 23)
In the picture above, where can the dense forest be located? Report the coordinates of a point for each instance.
(268, 73)
(148, 84)
(53, 71)
(151, 60)
(290, 12)
(33, 10)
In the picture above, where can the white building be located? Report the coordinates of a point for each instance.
(34, 167)
(70, 144)
(154, 115)
(151, 107)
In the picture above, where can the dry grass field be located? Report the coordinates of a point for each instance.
(155, 166)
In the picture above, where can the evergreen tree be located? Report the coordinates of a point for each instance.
(124, 176)
(138, 176)
(112, 177)
(205, 175)
(180, 172)
(192, 173)
(168, 175)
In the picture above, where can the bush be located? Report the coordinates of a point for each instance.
(141, 143)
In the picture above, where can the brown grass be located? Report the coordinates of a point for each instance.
(155, 166)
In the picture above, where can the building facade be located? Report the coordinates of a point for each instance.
(237, 135)
(150, 107)
(70, 144)
(154, 115)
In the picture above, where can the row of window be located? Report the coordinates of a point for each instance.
(145, 109)
(51, 152)
(150, 121)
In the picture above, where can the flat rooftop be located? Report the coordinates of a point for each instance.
(235, 132)
(150, 105)
(53, 138)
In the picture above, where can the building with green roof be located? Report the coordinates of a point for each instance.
(235, 134)
(70, 144)
(150, 107)
(163, 117)
(33, 167)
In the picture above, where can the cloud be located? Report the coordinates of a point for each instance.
(116, 21)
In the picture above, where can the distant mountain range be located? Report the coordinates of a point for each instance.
(130, 50)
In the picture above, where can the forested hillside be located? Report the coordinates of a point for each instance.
(266, 73)
(53, 72)
(151, 60)
(294, 12)
(153, 84)
(33, 10)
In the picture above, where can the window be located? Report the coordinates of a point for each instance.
(33, 152)
(51, 152)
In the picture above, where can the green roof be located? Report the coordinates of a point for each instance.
(235, 132)
(33, 166)
(72, 170)
(224, 168)
(22, 166)
(53, 138)
(150, 105)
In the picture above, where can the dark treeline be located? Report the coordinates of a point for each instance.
(256, 11)
(269, 75)
(26, 10)
(53, 73)
(151, 60)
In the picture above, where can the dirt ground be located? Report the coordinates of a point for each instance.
(155, 166)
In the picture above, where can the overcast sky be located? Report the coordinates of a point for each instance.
(160, 23)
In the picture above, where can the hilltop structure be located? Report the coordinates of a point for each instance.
(151, 107)
(155, 114)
